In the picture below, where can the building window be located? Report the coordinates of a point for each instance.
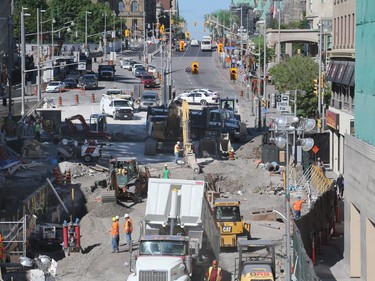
(121, 6)
(134, 6)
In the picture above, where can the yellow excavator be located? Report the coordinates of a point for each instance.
(186, 137)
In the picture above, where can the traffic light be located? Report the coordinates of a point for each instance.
(233, 73)
(126, 32)
(316, 87)
(220, 48)
(162, 28)
(322, 81)
(194, 67)
(172, 21)
(319, 123)
(182, 46)
(195, 23)
(187, 34)
(264, 101)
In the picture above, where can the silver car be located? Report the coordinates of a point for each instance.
(55, 87)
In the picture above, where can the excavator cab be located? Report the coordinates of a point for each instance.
(98, 122)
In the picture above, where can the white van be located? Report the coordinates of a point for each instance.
(116, 107)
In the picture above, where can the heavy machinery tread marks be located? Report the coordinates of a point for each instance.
(150, 146)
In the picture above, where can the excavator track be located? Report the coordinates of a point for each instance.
(150, 146)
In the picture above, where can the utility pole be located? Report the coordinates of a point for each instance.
(320, 75)
(38, 53)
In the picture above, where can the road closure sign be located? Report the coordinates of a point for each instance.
(282, 103)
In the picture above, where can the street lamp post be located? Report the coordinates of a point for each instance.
(86, 13)
(23, 54)
(278, 32)
(105, 36)
(283, 126)
(241, 30)
(41, 31)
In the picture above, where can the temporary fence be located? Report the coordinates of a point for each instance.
(315, 227)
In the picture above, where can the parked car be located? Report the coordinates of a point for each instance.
(194, 43)
(70, 83)
(148, 80)
(55, 87)
(140, 71)
(149, 99)
(89, 81)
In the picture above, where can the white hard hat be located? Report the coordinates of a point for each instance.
(178, 142)
(126, 216)
(117, 217)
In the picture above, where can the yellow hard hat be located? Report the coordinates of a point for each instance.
(113, 219)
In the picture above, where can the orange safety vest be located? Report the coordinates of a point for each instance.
(115, 228)
(2, 249)
(298, 205)
(128, 226)
(218, 273)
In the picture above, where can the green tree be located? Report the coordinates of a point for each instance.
(298, 73)
(259, 49)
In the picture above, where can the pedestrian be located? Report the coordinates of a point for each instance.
(166, 172)
(320, 165)
(340, 185)
(297, 206)
(215, 272)
(115, 231)
(177, 150)
(38, 129)
(128, 229)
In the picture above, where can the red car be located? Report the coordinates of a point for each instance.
(148, 81)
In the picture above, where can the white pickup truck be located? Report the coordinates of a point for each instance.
(118, 108)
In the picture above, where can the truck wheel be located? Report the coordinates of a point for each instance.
(61, 157)
(114, 116)
(150, 146)
(88, 158)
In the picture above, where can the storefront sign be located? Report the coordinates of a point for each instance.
(332, 120)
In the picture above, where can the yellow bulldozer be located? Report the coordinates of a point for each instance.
(229, 220)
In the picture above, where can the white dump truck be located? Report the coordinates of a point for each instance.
(179, 236)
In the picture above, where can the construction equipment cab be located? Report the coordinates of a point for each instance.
(95, 129)
(229, 220)
(256, 261)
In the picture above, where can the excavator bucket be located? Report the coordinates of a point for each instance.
(224, 144)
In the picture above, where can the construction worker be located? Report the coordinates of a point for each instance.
(215, 272)
(2, 249)
(128, 229)
(166, 172)
(297, 206)
(177, 150)
(115, 230)
(38, 129)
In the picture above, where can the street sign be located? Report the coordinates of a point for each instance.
(282, 103)
(315, 149)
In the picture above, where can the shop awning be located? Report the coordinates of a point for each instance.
(332, 71)
(340, 72)
(349, 73)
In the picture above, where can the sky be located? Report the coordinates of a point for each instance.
(194, 11)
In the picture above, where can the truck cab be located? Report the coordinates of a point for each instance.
(106, 72)
(174, 261)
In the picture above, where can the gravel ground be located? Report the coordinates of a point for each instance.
(241, 178)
